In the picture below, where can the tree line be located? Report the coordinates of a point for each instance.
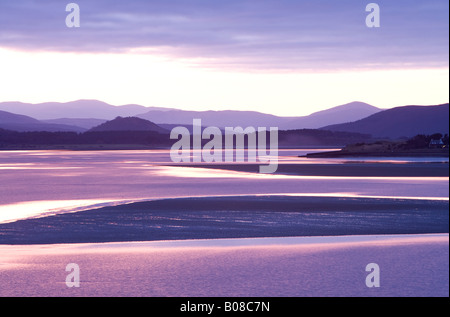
(154, 139)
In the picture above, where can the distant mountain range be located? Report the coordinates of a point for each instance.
(15, 122)
(400, 122)
(79, 122)
(93, 115)
(344, 113)
(85, 109)
(88, 113)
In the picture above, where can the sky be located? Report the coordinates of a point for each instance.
(284, 57)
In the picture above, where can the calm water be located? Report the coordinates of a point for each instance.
(36, 183)
(409, 266)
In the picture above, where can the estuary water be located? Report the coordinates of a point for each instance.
(40, 183)
(36, 184)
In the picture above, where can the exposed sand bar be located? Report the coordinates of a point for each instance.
(410, 265)
(233, 217)
(350, 168)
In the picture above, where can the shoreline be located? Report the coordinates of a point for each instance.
(343, 154)
(337, 241)
(327, 154)
(84, 147)
(353, 169)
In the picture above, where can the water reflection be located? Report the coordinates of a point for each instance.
(37, 183)
(32, 209)
(198, 172)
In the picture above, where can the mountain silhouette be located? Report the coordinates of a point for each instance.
(11, 118)
(83, 112)
(400, 122)
(223, 118)
(341, 114)
(86, 123)
(86, 109)
(128, 124)
(231, 118)
(15, 122)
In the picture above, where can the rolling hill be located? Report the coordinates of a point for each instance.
(345, 113)
(21, 123)
(220, 119)
(232, 118)
(128, 124)
(83, 113)
(400, 122)
(357, 117)
(79, 122)
(86, 109)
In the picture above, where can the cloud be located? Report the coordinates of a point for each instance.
(241, 34)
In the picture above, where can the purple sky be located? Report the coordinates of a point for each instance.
(222, 39)
(274, 34)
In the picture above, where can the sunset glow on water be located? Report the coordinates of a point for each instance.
(64, 181)
(293, 267)
(226, 153)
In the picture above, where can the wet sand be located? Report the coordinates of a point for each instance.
(350, 169)
(233, 217)
(415, 265)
